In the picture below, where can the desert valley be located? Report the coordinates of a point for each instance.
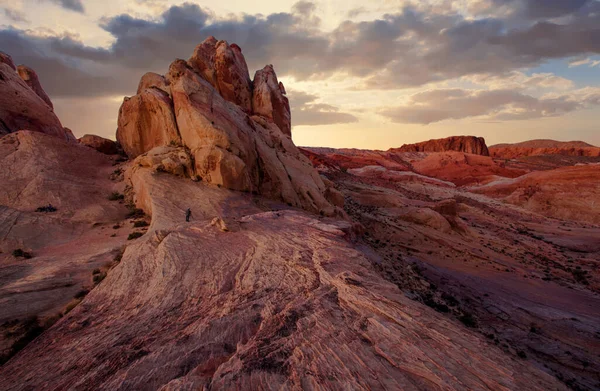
(443, 265)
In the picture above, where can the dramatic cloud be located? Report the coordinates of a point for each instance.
(72, 5)
(438, 105)
(305, 111)
(492, 46)
(410, 48)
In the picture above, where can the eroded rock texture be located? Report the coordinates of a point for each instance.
(243, 298)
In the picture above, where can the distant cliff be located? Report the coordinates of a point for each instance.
(544, 147)
(467, 144)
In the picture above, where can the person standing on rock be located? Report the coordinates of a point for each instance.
(188, 214)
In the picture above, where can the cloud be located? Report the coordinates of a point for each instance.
(585, 61)
(409, 48)
(443, 104)
(71, 5)
(15, 15)
(305, 111)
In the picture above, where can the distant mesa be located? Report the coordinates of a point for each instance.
(467, 144)
(24, 105)
(544, 147)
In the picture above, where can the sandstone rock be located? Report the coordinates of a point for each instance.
(219, 223)
(31, 78)
(150, 80)
(240, 152)
(146, 121)
(268, 99)
(466, 144)
(335, 197)
(6, 59)
(224, 67)
(232, 75)
(100, 144)
(22, 108)
(174, 160)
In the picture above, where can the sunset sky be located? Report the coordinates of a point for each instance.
(359, 74)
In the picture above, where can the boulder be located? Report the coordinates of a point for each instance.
(100, 144)
(466, 144)
(22, 108)
(146, 121)
(31, 78)
(269, 100)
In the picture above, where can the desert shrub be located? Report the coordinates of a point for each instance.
(19, 253)
(135, 213)
(72, 304)
(98, 278)
(140, 224)
(580, 276)
(134, 235)
(522, 354)
(81, 294)
(46, 209)
(96, 271)
(468, 320)
(116, 196)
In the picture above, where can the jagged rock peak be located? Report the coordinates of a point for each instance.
(224, 67)
(269, 100)
(236, 132)
(467, 144)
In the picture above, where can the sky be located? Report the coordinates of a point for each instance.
(372, 75)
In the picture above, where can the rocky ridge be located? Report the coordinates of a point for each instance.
(24, 105)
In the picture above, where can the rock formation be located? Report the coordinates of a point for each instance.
(146, 120)
(466, 144)
(206, 105)
(269, 100)
(24, 104)
(31, 78)
(100, 144)
(544, 147)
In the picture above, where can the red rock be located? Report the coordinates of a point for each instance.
(467, 144)
(21, 108)
(100, 144)
(543, 147)
(6, 59)
(153, 80)
(232, 75)
(146, 121)
(224, 67)
(240, 152)
(31, 78)
(268, 99)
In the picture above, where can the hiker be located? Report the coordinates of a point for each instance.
(188, 214)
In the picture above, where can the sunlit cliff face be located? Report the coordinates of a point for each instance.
(363, 76)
